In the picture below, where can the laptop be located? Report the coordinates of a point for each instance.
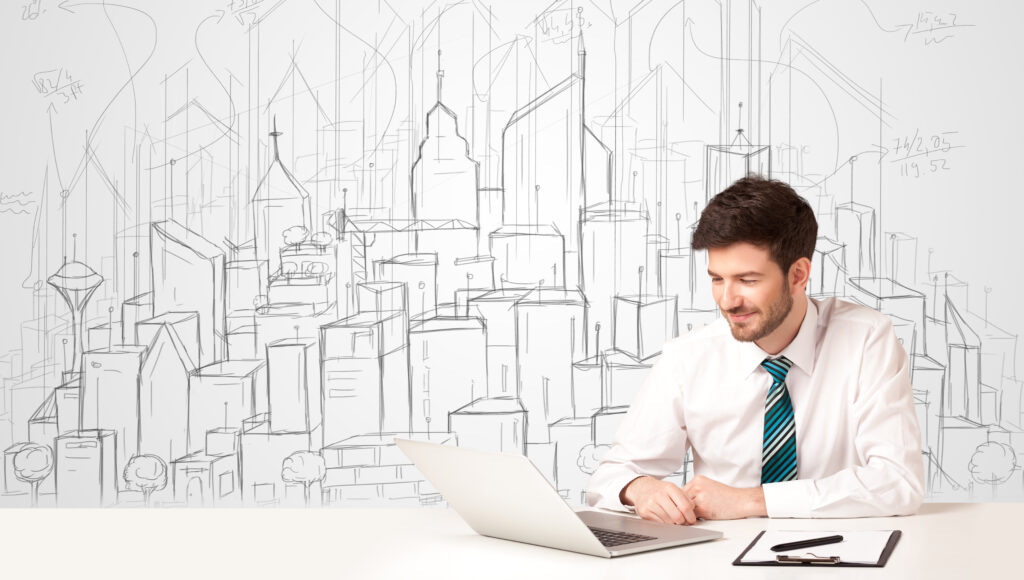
(503, 495)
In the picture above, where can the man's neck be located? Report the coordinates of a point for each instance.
(782, 336)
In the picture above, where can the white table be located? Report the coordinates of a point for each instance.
(960, 541)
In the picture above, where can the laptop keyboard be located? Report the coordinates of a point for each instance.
(611, 538)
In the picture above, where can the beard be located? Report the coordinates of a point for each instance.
(763, 323)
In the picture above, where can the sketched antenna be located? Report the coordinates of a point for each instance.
(739, 130)
(76, 282)
(440, 76)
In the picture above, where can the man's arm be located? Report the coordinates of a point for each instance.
(890, 477)
(651, 441)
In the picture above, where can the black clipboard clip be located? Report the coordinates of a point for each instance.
(808, 558)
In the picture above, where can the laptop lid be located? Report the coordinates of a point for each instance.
(504, 495)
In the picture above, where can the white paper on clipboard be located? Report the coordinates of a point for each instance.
(864, 547)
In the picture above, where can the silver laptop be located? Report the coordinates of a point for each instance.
(502, 495)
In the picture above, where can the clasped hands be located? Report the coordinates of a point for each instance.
(702, 497)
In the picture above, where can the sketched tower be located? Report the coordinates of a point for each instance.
(444, 178)
(76, 282)
(280, 202)
(550, 158)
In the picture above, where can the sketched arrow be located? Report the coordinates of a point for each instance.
(53, 144)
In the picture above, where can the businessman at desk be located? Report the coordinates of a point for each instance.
(791, 406)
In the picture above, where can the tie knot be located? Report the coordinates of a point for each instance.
(777, 367)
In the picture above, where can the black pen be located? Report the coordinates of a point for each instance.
(807, 543)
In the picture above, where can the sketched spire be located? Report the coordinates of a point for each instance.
(581, 49)
(274, 135)
(440, 76)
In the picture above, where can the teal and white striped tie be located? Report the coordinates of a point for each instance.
(778, 453)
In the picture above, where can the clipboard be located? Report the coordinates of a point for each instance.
(823, 556)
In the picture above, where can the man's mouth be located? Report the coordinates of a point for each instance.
(740, 317)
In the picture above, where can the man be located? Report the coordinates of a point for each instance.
(791, 406)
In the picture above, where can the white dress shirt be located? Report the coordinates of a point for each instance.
(858, 442)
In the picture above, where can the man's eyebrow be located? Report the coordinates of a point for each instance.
(747, 274)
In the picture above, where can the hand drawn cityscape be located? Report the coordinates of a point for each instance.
(284, 233)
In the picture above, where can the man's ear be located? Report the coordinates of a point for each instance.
(800, 274)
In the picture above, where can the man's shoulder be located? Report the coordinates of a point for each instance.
(839, 314)
(700, 339)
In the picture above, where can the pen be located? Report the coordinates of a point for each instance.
(807, 543)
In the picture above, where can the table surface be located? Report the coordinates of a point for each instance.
(954, 540)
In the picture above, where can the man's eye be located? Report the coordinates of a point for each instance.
(748, 282)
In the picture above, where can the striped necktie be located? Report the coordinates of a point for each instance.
(778, 453)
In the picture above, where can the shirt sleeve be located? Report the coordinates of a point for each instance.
(889, 477)
(650, 441)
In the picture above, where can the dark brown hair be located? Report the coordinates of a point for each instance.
(764, 212)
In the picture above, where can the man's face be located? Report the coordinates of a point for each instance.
(750, 289)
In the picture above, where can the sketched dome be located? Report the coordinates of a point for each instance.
(75, 275)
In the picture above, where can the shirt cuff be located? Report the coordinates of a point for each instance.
(789, 499)
(608, 497)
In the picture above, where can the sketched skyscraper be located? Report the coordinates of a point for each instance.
(550, 159)
(280, 202)
(76, 282)
(444, 178)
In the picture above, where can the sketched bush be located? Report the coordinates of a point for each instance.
(303, 467)
(993, 463)
(321, 238)
(31, 465)
(590, 456)
(147, 473)
(295, 235)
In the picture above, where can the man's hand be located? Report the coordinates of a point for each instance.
(659, 501)
(716, 501)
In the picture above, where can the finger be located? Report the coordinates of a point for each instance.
(656, 513)
(684, 503)
(671, 510)
(699, 512)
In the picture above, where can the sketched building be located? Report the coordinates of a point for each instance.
(444, 177)
(551, 331)
(549, 160)
(365, 366)
(495, 424)
(110, 397)
(448, 365)
(280, 202)
(86, 468)
(188, 275)
(368, 246)
(855, 227)
(211, 476)
(224, 394)
(727, 163)
(263, 450)
(371, 469)
(613, 237)
(163, 394)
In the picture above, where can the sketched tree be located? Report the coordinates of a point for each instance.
(590, 455)
(295, 235)
(303, 467)
(993, 463)
(148, 473)
(32, 464)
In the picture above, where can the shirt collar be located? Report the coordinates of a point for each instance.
(800, 351)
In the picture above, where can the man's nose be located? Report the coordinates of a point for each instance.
(730, 297)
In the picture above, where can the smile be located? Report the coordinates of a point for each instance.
(740, 317)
